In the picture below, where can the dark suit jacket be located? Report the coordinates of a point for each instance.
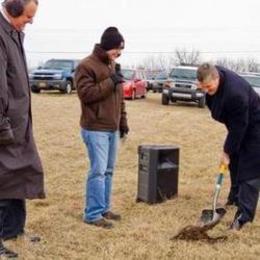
(237, 105)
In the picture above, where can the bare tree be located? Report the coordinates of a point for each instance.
(239, 65)
(166, 62)
(157, 63)
(149, 62)
(187, 57)
(252, 65)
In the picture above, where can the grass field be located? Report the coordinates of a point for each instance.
(145, 230)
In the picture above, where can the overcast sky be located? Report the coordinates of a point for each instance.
(70, 28)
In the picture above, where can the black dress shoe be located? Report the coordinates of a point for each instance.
(236, 225)
(24, 235)
(7, 253)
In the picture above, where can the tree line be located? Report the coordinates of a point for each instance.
(181, 56)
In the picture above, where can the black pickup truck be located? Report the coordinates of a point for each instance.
(55, 74)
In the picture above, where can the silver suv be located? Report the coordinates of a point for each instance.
(182, 86)
(253, 79)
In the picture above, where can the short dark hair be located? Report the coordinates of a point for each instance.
(207, 71)
(15, 8)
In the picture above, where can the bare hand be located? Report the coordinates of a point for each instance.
(224, 159)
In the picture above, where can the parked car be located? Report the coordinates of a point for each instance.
(150, 78)
(159, 80)
(135, 84)
(253, 79)
(182, 86)
(54, 74)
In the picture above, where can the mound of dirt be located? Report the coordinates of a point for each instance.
(195, 233)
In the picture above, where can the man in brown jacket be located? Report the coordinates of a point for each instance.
(21, 174)
(103, 118)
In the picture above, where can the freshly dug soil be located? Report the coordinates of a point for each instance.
(199, 232)
(193, 233)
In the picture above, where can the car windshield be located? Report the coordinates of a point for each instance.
(128, 74)
(162, 76)
(254, 81)
(58, 65)
(179, 73)
(149, 77)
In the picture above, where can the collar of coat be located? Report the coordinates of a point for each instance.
(8, 27)
(221, 79)
(4, 14)
(101, 54)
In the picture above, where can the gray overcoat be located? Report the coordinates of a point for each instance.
(21, 173)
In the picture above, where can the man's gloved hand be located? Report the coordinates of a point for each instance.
(117, 78)
(123, 131)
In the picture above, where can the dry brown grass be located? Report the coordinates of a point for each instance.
(145, 231)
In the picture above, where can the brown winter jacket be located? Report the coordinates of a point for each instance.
(102, 104)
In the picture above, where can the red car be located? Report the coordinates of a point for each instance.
(135, 83)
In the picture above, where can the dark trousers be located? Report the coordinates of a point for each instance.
(233, 168)
(12, 217)
(248, 195)
(243, 194)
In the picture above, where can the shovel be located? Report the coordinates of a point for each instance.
(210, 217)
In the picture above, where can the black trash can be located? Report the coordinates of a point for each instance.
(158, 170)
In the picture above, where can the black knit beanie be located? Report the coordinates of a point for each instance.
(112, 39)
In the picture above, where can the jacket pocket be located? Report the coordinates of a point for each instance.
(6, 137)
(91, 112)
(103, 113)
(6, 133)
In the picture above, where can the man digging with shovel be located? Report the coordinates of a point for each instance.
(233, 102)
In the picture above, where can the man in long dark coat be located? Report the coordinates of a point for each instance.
(233, 102)
(21, 174)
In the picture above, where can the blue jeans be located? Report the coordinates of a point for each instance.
(102, 151)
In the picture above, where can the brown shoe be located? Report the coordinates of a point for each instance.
(101, 223)
(112, 216)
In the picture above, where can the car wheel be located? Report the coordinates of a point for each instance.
(202, 102)
(165, 99)
(133, 97)
(35, 90)
(68, 88)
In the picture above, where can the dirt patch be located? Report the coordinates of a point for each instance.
(199, 232)
(195, 233)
